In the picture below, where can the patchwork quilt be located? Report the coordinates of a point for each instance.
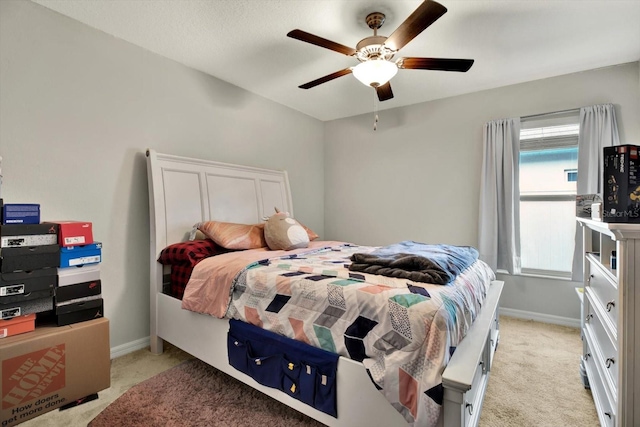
(403, 332)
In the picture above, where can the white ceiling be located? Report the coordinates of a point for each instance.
(244, 42)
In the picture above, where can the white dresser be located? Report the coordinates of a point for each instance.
(611, 324)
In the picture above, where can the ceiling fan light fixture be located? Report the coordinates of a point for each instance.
(375, 72)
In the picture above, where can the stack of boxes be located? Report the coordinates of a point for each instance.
(51, 269)
(44, 366)
(78, 296)
(29, 255)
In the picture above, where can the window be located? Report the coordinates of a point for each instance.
(548, 178)
(572, 175)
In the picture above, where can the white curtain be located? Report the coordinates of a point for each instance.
(598, 129)
(499, 227)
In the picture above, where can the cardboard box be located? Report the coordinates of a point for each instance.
(621, 184)
(24, 282)
(20, 298)
(79, 274)
(20, 213)
(51, 367)
(29, 258)
(79, 311)
(18, 235)
(20, 308)
(73, 256)
(17, 325)
(73, 233)
(78, 290)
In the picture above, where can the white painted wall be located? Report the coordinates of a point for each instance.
(418, 176)
(78, 108)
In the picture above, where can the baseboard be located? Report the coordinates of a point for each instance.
(540, 317)
(129, 347)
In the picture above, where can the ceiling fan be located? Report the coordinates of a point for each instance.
(375, 52)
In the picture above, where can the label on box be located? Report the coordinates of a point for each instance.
(84, 260)
(32, 375)
(3, 332)
(10, 312)
(75, 240)
(31, 240)
(12, 290)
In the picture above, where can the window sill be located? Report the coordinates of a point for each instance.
(537, 276)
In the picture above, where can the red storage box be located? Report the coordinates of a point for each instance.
(17, 325)
(73, 233)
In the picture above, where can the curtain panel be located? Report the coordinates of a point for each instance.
(499, 223)
(598, 129)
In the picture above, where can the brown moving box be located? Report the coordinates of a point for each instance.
(52, 366)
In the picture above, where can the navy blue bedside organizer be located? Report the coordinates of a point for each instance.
(303, 372)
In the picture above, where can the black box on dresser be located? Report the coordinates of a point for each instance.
(621, 184)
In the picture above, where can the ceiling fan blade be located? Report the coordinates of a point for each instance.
(326, 78)
(426, 14)
(442, 64)
(319, 41)
(384, 92)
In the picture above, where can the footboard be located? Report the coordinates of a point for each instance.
(465, 379)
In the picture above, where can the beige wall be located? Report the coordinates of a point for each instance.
(78, 108)
(418, 176)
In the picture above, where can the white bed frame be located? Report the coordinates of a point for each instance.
(184, 191)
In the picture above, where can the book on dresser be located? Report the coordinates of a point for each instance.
(611, 323)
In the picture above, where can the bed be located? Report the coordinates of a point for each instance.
(184, 191)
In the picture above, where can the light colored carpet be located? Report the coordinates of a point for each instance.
(535, 381)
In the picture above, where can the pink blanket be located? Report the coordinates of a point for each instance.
(209, 289)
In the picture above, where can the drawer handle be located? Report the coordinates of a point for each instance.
(587, 356)
(608, 414)
(469, 406)
(589, 317)
(610, 305)
(610, 361)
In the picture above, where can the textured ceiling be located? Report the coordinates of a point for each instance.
(244, 42)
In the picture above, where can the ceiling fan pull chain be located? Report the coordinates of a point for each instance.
(375, 110)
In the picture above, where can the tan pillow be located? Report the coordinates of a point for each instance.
(230, 235)
(285, 233)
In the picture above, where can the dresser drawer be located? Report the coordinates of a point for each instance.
(603, 349)
(605, 292)
(604, 407)
(472, 398)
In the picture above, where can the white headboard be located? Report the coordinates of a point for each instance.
(184, 191)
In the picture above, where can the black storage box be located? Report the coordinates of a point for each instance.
(79, 290)
(38, 305)
(29, 258)
(25, 282)
(305, 373)
(20, 298)
(621, 184)
(79, 311)
(19, 235)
